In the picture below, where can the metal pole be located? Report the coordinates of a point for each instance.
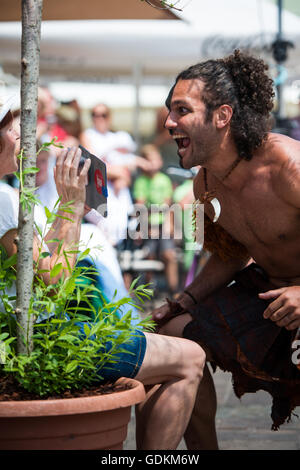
(279, 66)
(279, 19)
(137, 78)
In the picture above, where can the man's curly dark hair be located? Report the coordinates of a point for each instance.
(239, 80)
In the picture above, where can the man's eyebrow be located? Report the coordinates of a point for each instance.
(179, 103)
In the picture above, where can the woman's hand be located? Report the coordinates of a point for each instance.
(69, 184)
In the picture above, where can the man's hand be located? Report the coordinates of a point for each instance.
(285, 309)
(160, 312)
(163, 313)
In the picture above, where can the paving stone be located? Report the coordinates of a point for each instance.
(242, 424)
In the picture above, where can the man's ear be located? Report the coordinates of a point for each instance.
(222, 116)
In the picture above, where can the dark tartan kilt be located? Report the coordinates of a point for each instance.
(230, 325)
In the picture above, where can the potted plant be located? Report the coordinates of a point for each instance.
(50, 397)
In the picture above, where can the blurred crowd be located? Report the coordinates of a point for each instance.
(136, 176)
(146, 177)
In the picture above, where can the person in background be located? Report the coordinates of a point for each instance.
(154, 189)
(116, 149)
(184, 196)
(47, 127)
(68, 119)
(164, 141)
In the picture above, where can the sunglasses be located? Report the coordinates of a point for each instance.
(100, 115)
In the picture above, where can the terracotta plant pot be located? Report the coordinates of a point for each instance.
(98, 422)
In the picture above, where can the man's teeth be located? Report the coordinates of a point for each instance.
(182, 140)
(178, 136)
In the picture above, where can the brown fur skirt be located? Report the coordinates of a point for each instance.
(258, 353)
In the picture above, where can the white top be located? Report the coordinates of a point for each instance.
(105, 146)
(9, 208)
(9, 214)
(119, 206)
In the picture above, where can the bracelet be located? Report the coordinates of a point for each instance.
(191, 296)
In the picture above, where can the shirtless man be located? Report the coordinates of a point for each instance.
(244, 314)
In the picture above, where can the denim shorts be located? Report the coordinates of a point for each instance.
(127, 361)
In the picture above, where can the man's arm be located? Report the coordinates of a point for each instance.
(215, 274)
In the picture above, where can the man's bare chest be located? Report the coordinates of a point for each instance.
(257, 216)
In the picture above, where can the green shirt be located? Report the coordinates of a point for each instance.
(153, 190)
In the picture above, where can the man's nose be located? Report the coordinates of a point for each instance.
(169, 122)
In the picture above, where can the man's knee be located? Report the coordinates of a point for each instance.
(176, 325)
(201, 431)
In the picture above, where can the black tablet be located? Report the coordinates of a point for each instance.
(96, 190)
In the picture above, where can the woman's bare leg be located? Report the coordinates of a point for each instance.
(177, 364)
(201, 430)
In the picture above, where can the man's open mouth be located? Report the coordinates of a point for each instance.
(182, 141)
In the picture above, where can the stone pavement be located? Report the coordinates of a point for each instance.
(242, 424)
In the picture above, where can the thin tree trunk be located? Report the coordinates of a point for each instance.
(31, 27)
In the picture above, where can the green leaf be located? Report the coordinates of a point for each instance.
(47, 212)
(86, 329)
(45, 254)
(78, 295)
(57, 202)
(27, 171)
(68, 338)
(69, 286)
(38, 229)
(67, 261)
(56, 270)
(134, 283)
(53, 240)
(12, 261)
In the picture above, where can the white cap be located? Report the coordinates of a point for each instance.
(6, 105)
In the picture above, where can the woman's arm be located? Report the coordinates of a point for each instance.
(70, 187)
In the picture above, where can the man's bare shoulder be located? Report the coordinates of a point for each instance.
(286, 167)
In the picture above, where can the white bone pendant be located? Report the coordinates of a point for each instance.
(217, 208)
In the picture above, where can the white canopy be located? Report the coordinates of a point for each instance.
(93, 49)
(149, 52)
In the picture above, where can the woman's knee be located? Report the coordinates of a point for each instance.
(168, 357)
(200, 357)
(195, 360)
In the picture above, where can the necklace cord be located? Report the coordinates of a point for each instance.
(209, 194)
